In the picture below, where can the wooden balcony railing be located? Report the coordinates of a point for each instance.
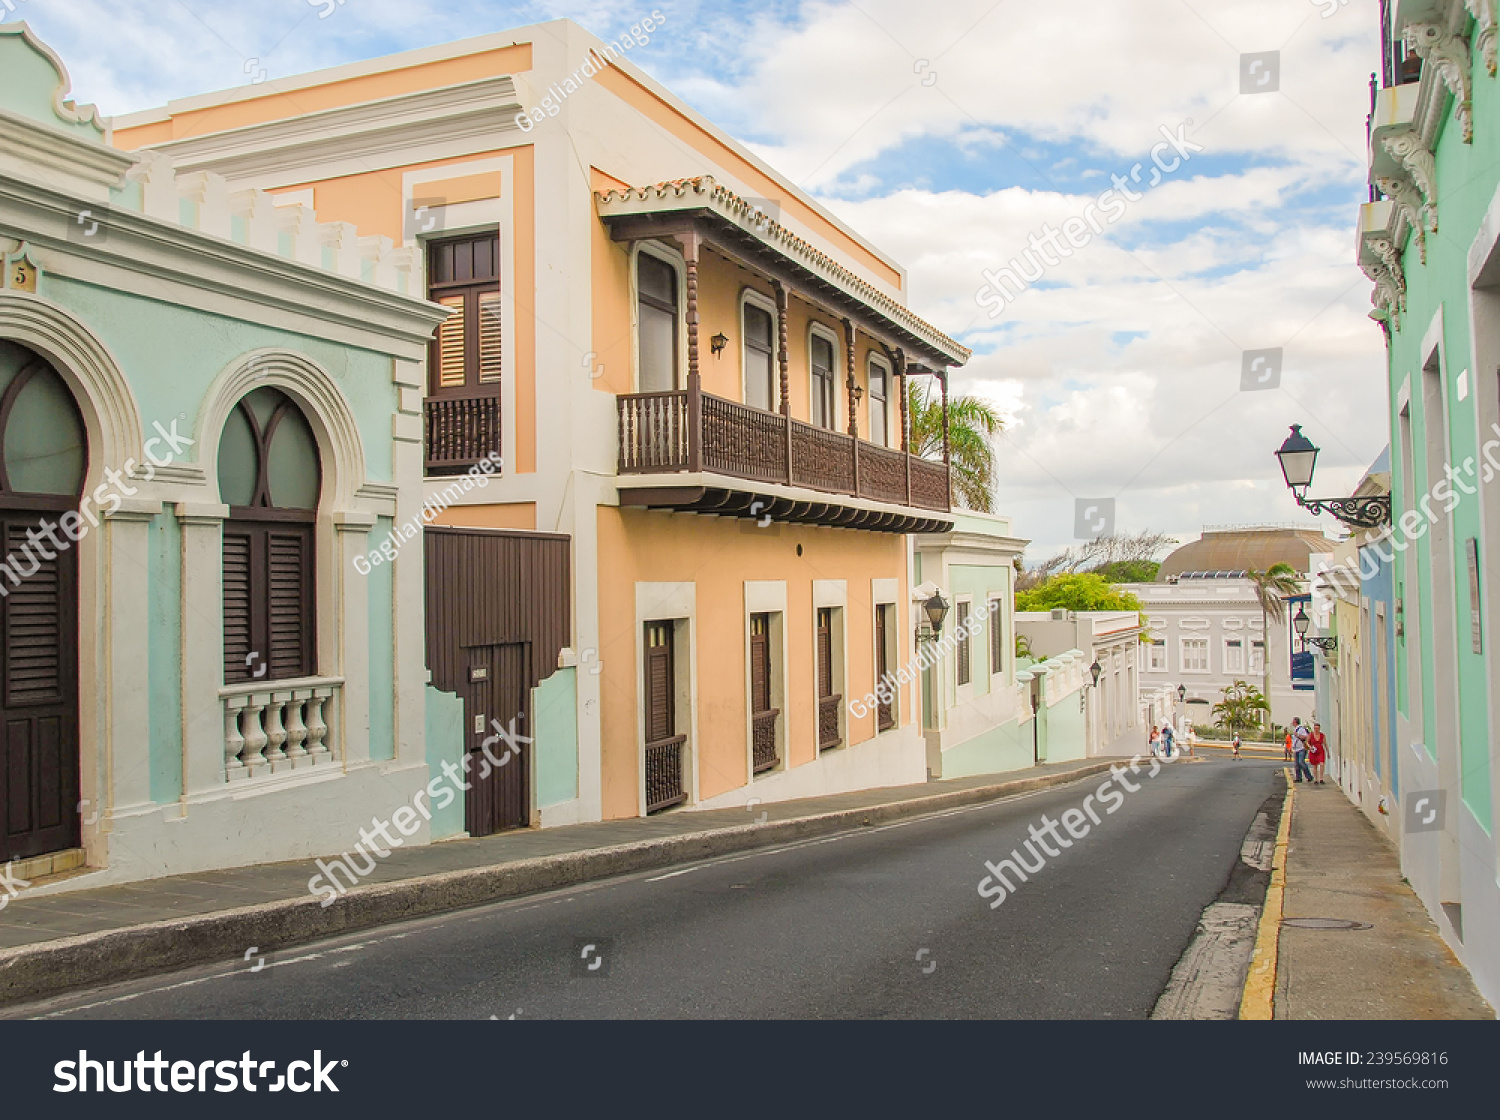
(681, 431)
(664, 773)
(763, 739)
(828, 722)
(460, 431)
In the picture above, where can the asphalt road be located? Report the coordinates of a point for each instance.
(884, 922)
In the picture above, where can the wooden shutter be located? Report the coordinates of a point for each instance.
(760, 663)
(34, 624)
(997, 637)
(289, 578)
(825, 651)
(882, 665)
(238, 636)
(660, 708)
(963, 644)
(489, 336)
(450, 344)
(268, 601)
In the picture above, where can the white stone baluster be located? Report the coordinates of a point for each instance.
(317, 729)
(234, 742)
(275, 730)
(255, 736)
(296, 730)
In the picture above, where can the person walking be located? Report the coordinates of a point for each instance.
(1317, 752)
(1236, 744)
(1155, 743)
(1299, 749)
(1288, 743)
(1166, 739)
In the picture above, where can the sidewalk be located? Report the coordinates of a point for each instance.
(57, 941)
(1339, 866)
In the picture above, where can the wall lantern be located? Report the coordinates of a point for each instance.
(1298, 455)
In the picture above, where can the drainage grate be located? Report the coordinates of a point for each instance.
(1324, 923)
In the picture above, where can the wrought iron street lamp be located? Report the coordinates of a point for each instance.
(1301, 622)
(1298, 455)
(1182, 694)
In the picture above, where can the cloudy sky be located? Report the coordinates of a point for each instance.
(951, 135)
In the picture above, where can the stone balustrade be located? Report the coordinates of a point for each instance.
(278, 726)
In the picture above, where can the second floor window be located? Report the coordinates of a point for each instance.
(823, 412)
(463, 274)
(761, 385)
(656, 295)
(879, 412)
(1195, 655)
(1157, 659)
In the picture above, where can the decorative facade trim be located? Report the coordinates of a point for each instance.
(1483, 12)
(1447, 53)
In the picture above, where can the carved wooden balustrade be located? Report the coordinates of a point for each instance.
(459, 432)
(683, 431)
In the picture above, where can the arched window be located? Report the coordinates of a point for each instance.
(270, 477)
(43, 457)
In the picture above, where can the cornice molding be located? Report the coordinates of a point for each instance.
(26, 144)
(184, 261)
(486, 107)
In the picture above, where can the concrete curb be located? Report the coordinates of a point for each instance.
(49, 968)
(1259, 998)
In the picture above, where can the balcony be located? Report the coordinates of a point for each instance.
(459, 432)
(718, 441)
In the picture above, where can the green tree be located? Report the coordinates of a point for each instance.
(1242, 708)
(1129, 571)
(1076, 591)
(971, 424)
(1272, 586)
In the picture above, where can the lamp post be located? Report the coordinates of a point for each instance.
(1298, 455)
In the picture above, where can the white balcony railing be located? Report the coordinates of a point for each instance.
(275, 727)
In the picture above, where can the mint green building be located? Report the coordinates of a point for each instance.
(1431, 244)
(209, 410)
(984, 710)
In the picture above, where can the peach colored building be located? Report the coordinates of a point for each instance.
(695, 377)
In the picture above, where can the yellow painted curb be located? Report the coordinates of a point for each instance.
(1258, 999)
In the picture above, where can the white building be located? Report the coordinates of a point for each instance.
(1115, 720)
(1205, 625)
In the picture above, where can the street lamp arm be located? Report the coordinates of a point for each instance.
(1364, 513)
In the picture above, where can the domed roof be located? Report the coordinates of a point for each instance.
(1231, 552)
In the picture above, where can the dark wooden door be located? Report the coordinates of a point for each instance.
(886, 713)
(828, 702)
(664, 784)
(762, 715)
(499, 775)
(38, 694)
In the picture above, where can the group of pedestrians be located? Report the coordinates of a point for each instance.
(1161, 740)
(1306, 746)
(1308, 749)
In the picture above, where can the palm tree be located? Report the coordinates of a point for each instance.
(1241, 707)
(1272, 586)
(971, 423)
